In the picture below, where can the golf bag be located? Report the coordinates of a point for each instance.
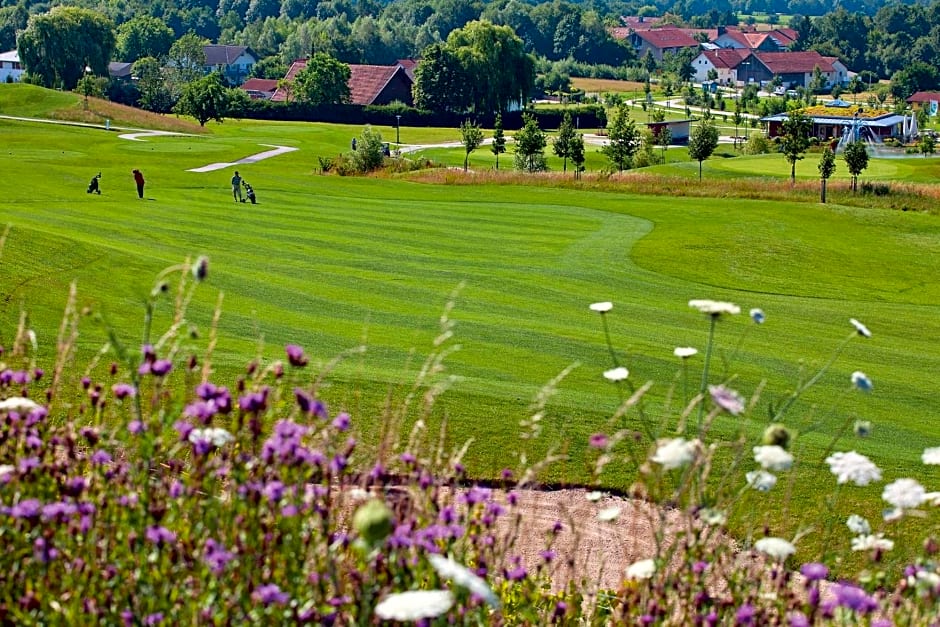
(249, 192)
(93, 185)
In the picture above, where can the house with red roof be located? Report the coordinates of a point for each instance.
(658, 42)
(368, 84)
(725, 61)
(796, 69)
(777, 40)
(260, 88)
(925, 100)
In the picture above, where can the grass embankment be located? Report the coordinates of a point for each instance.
(330, 262)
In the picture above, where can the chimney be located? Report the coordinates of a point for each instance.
(722, 30)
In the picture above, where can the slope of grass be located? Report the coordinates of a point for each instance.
(329, 262)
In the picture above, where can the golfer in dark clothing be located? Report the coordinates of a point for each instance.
(139, 179)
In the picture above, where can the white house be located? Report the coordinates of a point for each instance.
(724, 61)
(10, 68)
(234, 62)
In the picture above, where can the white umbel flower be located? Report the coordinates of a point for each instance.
(860, 328)
(714, 307)
(931, 456)
(872, 542)
(777, 548)
(904, 493)
(414, 605)
(858, 525)
(616, 374)
(463, 577)
(216, 436)
(852, 467)
(609, 514)
(675, 453)
(773, 457)
(603, 307)
(761, 480)
(684, 352)
(18, 404)
(644, 569)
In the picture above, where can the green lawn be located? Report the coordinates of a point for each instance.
(328, 262)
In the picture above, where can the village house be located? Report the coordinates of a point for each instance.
(925, 100)
(11, 71)
(260, 88)
(777, 40)
(659, 42)
(724, 61)
(234, 62)
(368, 84)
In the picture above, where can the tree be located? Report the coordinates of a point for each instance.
(818, 82)
(623, 139)
(794, 140)
(562, 144)
(530, 146)
(57, 46)
(154, 95)
(738, 119)
(927, 145)
(856, 86)
(144, 36)
(702, 142)
(827, 166)
(856, 160)
(187, 59)
(324, 80)
(471, 135)
(499, 139)
(664, 138)
(577, 154)
(205, 99)
(441, 82)
(369, 154)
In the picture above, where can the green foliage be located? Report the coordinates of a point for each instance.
(154, 94)
(827, 164)
(758, 144)
(369, 154)
(271, 67)
(498, 146)
(441, 81)
(623, 139)
(205, 99)
(56, 46)
(856, 160)
(471, 136)
(927, 144)
(530, 142)
(144, 36)
(702, 142)
(187, 58)
(794, 138)
(562, 143)
(576, 153)
(324, 80)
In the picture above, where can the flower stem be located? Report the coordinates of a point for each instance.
(704, 386)
(802, 388)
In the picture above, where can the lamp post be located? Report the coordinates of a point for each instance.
(398, 129)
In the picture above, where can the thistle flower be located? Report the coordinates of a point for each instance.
(270, 594)
(598, 440)
(123, 390)
(296, 356)
(414, 605)
(814, 571)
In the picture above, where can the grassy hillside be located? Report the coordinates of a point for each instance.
(329, 262)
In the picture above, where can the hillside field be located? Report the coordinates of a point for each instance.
(330, 262)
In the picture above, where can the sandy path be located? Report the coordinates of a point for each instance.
(278, 150)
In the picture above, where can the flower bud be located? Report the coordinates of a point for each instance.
(373, 521)
(777, 434)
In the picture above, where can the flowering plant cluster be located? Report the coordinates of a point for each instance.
(165, 496)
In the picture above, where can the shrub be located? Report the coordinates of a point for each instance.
(877, 189)
(758, 144)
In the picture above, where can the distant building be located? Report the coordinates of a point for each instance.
(661, 41)
(234, 62)
(925, 100)
(368, 84)
(796, 69)
(777, 40)
(260, 88)
(832, 120)
(11, 70)
(120, 70)
(724, 61)
(679, 130)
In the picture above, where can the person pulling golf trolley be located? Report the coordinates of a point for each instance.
(93, 187)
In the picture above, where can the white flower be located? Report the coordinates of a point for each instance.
(760, 480)
(931, 456)
(713, 517)
(414, 605)
(644, 569)
(675, 453)
(773, 457)
(6, 469)
(609, 514)
(904, 493)
(757, 315)
(857, 524)
(861, 381)
(926, 580)
(216, 436)
(616, 374)
(891, 514)
(775, 547)
(602, 307)
(853, 467)
(594, 496)
(869, 543)
(463, 577)
(714, 307)
(684, 352)
(861, 328)
(18, 404)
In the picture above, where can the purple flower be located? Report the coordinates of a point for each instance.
(184, 428)
(699, 567)
(797, 619)
(727, 399)
(100, 457)
(516, 574)
(27, 509)
(342, 421)
(176, 489)
(159, 535)
(216, 556)
(745, 614)
(148, 352)
(548, 555)
(153, 619)
(136, 427)
(38, 374)
(295, 355)
(274, 491)
(43, 551)
(58, 511)
(161, 367)
(26, 464)
(561, 608)
(254, 402)
(123, 390)
(270, 594)
(598, 440)
(854, 598)
(814, 571)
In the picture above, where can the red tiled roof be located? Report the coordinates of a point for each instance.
(259, 84)
(728, 58)
(795, 62)
(925, 96)
(620, 32)
(366, 82)
(667, 37)
(785, 33)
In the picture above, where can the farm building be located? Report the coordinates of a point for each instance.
(834, 118)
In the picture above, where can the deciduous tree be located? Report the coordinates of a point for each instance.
(498, 146)
(324, 80)
(577, 154)
(530, 146)
(205, 99)
(154, 95)
(56, 46)
(562, 144)
(471, 135)
(623, 139)
(702, 142)
(856, 160)
(794, 140)
(144, 36)
(827, 167)
(187, 58)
